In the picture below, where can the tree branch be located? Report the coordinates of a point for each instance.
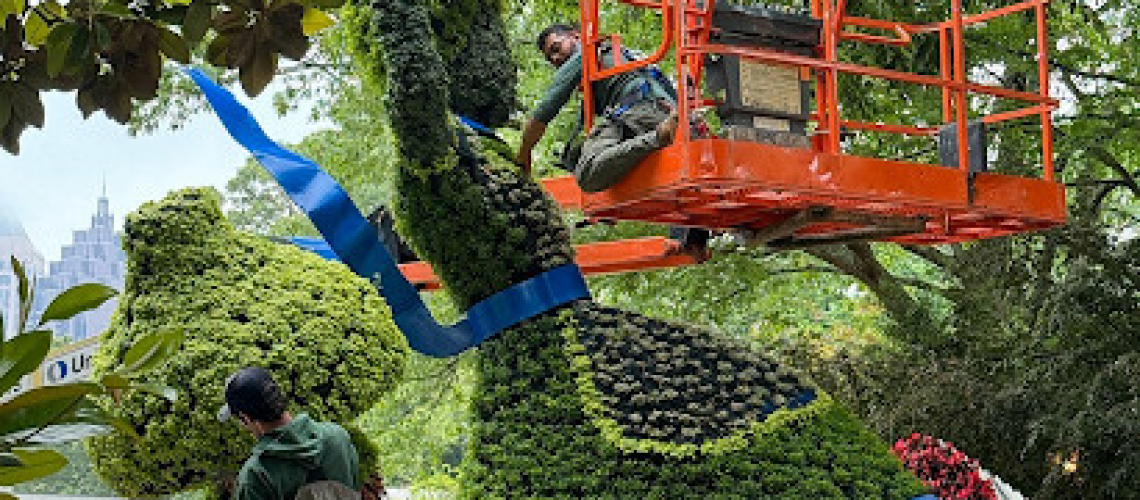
(1109, 160)
(808, 269)
(929, 254)
(1064, 68)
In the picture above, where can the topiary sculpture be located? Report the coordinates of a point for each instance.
(584, 400)
(241, 300)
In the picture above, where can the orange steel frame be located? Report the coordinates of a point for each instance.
(594, 259)
(712, 182)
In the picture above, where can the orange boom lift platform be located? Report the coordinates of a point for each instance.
(812, 192)
(778, 171)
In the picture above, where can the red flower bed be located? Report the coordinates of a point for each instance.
(942, 468)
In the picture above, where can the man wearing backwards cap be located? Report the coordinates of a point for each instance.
(290, 451)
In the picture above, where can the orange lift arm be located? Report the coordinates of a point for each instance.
(596, 258)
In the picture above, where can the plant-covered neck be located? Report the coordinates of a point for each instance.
(416, 90)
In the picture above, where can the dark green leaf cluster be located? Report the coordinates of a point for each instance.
(325, 334)
(480, 67)
(416, 82)
(677, 383)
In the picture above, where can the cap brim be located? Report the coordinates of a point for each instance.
(224, 413)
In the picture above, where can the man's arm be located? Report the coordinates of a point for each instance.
(253, 486)
(566, 79)
(532, 133)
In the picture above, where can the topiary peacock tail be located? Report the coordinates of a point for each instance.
(325, 334)
(585, 400)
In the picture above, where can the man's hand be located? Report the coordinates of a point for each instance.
(666, 129)
(531, 134)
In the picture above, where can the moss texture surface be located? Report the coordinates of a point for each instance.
(325, 334)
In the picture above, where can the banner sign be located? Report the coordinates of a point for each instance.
(68, 364)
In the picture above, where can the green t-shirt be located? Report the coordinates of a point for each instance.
(606, 92)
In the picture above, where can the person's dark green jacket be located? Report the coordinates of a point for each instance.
(297, 453)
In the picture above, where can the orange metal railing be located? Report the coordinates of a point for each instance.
(686, 25)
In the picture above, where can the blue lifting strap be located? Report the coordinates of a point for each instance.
(356, 243)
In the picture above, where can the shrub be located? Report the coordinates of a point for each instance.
(325, 334)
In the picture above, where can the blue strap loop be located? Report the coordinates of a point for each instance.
(356, 243)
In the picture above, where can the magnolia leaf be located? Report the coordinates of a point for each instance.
(26, 104)
(315, 20)
(21, 355)
(79, 54)
(256, 75)
(77, 299)
(72, 420)
(8, 496)
(86, 420)
(179, 2)
(58, 44)
(37, 28)
(150, 351)
(42, 406)
(197, 21)
(173, 45)
(11, 7)
(36, 464)
(115, 9)
(5, 114)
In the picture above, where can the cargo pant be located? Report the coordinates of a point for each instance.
(617, 144)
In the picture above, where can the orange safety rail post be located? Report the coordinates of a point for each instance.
(959, 75)
(1043, 84)
(596, 258)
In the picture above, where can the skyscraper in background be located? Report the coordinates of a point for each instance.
(14, 242)
(95, 255)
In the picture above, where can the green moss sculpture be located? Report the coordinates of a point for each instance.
(325, 334)
(587, 401)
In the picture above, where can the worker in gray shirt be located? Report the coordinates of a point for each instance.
(637, 115)
(636, 112)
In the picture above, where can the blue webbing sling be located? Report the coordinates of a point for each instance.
(357, 244)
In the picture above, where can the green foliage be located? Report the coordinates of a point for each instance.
(421, 429)
(62, 413)
(360, 155)
(241, 301)
(111, 53)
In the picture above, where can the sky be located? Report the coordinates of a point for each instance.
(53, 185)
